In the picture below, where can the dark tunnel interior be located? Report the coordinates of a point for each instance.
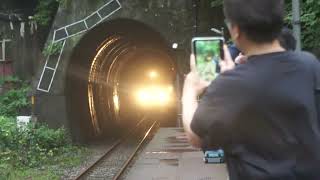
(119, 72)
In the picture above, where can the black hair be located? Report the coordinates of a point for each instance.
(287, 40)
(260, 20)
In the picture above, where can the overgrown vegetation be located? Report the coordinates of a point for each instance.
(52, 48)
(310, 22)
(46, 10)
(14, 100)
(25, 151)
(9, 79)
(32, 151)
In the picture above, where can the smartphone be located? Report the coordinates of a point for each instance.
(208, 52)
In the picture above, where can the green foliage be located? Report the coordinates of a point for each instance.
(52, 49)
(9, 79)
(216, 3)
(64, 3)
(24, 150)
(14, 100)
(28, 146)
(310, 22)
(33, 151)
(9, 173)
(45, 11)
(206, 49)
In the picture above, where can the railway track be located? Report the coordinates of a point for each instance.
(114, 162)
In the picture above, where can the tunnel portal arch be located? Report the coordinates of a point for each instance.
(103, 68)
(79, 31)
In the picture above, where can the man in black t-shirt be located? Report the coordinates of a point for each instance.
(263, 114)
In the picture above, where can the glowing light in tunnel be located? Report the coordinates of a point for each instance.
(170, 89)
(153, 74)
(93, 76)
(153, 96)
(116, 103)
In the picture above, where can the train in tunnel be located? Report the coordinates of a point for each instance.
(119, 73)
(116, 64)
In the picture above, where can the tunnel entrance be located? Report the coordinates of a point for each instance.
(119, 72)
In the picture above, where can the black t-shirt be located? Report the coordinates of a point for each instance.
(263, 115)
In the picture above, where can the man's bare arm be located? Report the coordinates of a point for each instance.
(193, 87)
(189, 106)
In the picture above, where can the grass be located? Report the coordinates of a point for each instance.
(35, 151)
(53, 169)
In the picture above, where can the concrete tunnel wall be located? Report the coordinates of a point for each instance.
(172, 19)
(128, 51)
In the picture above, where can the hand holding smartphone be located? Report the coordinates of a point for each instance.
(208, 52)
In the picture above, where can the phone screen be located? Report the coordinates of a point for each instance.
(208, 55)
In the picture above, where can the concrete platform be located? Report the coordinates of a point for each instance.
(170, 157)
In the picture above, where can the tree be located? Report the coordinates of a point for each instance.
(45, 11)
(310, 23)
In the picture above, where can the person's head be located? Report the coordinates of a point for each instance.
(254, 21)
(287, 40)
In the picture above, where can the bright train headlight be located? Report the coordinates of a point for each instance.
(143, 96)
(153, 96)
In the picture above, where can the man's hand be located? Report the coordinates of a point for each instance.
(193, 87)
(227, 63)
(193, 84)
(241, 59)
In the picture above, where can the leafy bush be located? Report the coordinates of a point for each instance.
(45, 11)
(14, 100)
(35, 152)
(310, 23)
(52, 48)
(30, 146)
(9, 79)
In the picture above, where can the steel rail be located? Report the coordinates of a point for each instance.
(108, 152)
(124, 167)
